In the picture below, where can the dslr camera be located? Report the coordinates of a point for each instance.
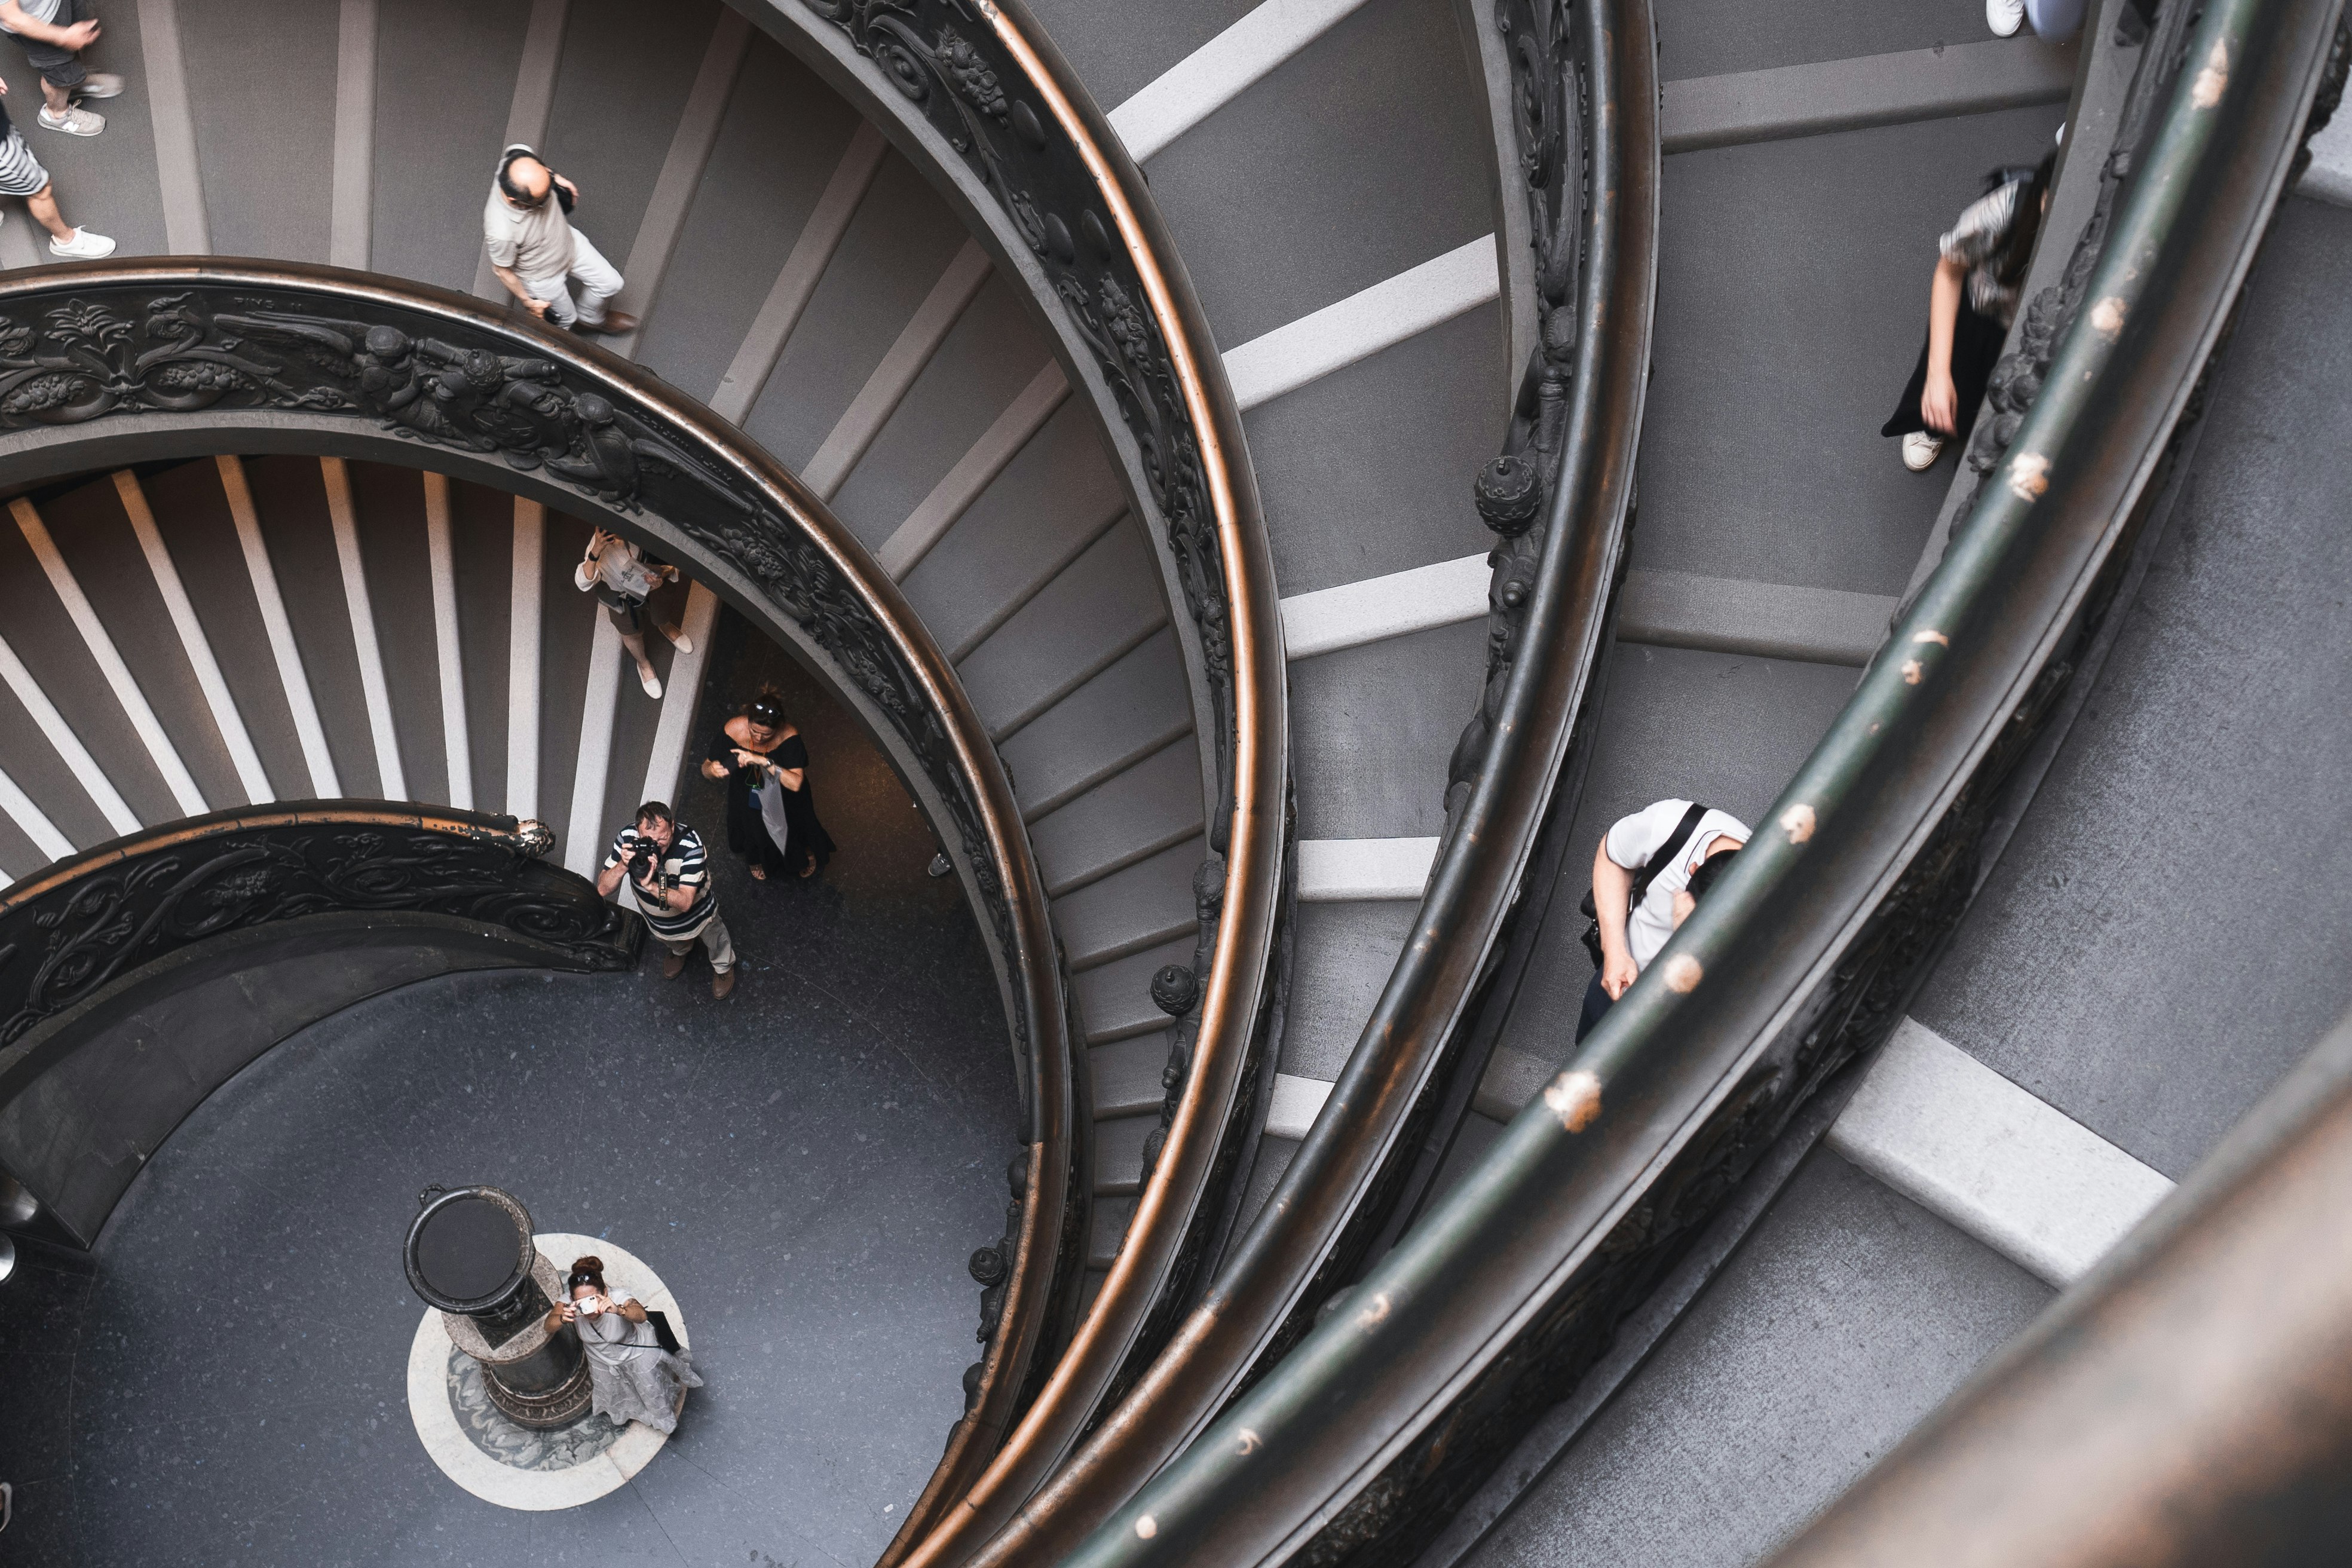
(644, 860)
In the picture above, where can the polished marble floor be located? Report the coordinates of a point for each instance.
(808, 1165)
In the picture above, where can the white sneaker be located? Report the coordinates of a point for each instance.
(100, 84)
(74, 121)
(2005, 16)
(84, 245)
(677, 638)
(651, 682)
(1920, 451)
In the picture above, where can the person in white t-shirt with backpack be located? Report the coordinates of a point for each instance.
(1650, 872)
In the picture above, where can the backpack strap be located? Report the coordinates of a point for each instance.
(1666, 855)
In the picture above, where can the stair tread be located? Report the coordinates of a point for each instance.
(894, 251)
(1053, 498)
(1367, 471)
(1381, 125)
(1117, 719)
(782, 135)
(1372, 728)
(619, 92)
(988, 356)
(1152, 804)
(267, 189)
(445, 82)
(1100, 606)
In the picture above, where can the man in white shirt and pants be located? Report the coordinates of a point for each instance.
(536, 252)
(1633, 934)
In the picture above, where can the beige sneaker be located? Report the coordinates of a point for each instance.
(1920, 451)
(74, 121)
(100, 84)
(678, 637)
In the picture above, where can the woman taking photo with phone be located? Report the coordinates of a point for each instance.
(631, 1377)
(771, 806)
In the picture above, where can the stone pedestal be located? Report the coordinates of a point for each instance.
(470, 1255)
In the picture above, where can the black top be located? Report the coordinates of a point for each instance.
(747, 835)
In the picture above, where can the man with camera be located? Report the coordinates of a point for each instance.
(663, 859)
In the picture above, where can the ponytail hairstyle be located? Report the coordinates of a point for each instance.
(589, 1271)
(2025, 219)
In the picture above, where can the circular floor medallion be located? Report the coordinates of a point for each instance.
(481, 1451)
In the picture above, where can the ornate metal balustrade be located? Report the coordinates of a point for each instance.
(112, 363)
(77, 936)
(1559, 500)
(974, 91)
(1358, 1445)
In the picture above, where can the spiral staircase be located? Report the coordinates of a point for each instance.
(1289, 1052)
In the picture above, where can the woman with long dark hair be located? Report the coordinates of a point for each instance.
(771, 803)
(1974, 298)
(630, 1376)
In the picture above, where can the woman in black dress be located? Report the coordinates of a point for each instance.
(771, 806)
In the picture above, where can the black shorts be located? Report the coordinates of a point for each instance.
(628, 616)
(62, 67)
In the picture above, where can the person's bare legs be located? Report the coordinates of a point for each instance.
(635, 643)
(43, 204)
(59, 98)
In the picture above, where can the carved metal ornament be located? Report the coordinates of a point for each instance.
(1514, 492)
(944, 57)
(115, 350)
(65, 943)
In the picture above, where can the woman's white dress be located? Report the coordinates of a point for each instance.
(631, 1377)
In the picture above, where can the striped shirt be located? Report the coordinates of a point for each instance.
(682, 867)
(1977, 242)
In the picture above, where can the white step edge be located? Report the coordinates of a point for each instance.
(527, 112)
(34, 822)
(973, 473)
(598, 711)
(291, 677)
(667, 761)
(1723, 615)
(681, 172)
(820, 237)
(67, 745)
(2329, 178)
(375, 690)
(1297, 1102)
(523, 593)
(1393, 606)
(441, 561)
(349, 226)
(1870, 89)
(110, 660)
(1220, 69)
(1667, 609)
(1974, 1149)
(1364, 324)
(178, 174)
(1337, 870)
(895, 376)
(250, 775)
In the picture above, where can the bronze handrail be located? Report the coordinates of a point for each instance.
(1558, 498)
(978, 96)
(1357, 1446)
(125, 360)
